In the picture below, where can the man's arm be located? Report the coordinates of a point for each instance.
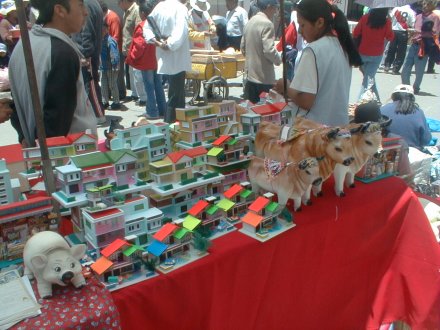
(60, 93)
(269, 51)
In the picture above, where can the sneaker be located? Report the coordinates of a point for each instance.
(386, 69)
(105, 105)
(115, 106)
(416, 90)
(101, 120)
(141, 103)
(430, 71)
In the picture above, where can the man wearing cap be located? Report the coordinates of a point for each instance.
(258, 46)
(200, 25)
(66, 108)
(408, 120)
(370, 111)
(9, 21)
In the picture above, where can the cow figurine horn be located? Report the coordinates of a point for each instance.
(333, 133)
(365, 127)
(356, 129)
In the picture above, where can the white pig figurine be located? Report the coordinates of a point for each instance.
(49, 259)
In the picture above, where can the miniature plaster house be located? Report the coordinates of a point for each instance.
(197, 124)
(207, 212)
(250, 122)
(169, 241)
(150, 142)
(119, 258)
(261, 215)
(268, 112)
(9, 188)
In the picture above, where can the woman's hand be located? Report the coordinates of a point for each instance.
(279, 86)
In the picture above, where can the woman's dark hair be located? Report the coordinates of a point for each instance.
(45, 9)
(377, 17)
(334, 19)
(406, 103)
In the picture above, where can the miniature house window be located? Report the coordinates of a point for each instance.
(196, 126)
(121, 168)
(208, 133)
(208, 123)
(148, 130)
(139, 207)
(80, 147)
(188, 164)
(126, 135)
(185, 124)
(73, 188)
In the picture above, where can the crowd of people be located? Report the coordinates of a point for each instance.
(89, 58)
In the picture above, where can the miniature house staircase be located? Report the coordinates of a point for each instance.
(228, 127)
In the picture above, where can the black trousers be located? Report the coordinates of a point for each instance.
(253, 90)
(176, 96)
(397, 51)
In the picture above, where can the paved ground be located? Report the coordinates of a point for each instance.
(429, 101)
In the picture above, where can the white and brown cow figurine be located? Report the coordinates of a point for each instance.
(333, 144)
(287, 180)
(366, 140)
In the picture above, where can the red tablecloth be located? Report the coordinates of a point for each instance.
(350, 263)
(91, 307)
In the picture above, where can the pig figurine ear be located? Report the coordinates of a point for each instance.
(78, 251)
(39, 261)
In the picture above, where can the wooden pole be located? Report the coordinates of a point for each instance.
(283, 54)
(48, 176)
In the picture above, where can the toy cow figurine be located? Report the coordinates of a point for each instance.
(366, 142)
(286, 180)
(49, 259)
(333, 144)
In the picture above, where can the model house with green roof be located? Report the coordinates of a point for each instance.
(170, 241)
(60, 149)
(242, 196)
(150, 142)
(261, 217)
(117, 263)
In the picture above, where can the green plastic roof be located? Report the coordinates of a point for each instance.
(181, 232)
(191, 222)
(225, 204)
(215, 151)
(245, 193)
(272, 206)
(132, 249)
(100, 158)
(212, 209)
(231, 142)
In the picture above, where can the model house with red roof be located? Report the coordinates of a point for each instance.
(19, 220)
(9, 188)
(261, 217)
(170, 241)
(150, 142)
(207, 212)
(60, 148)
(13, 156)
(119, 259)
(268, 112)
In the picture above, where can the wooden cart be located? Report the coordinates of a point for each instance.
(211, 70)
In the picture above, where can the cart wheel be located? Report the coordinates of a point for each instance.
(215, 89)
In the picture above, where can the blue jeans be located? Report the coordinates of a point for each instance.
(156, 103)
(369, 69)
(412, 58)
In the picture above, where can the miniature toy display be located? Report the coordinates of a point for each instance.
(261, 222)
(383, 164)
(332, 144)
(286, 179)
(122, 264)
(50, 260)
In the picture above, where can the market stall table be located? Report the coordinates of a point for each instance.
(356, 262)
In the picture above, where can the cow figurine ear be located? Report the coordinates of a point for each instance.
(332, 133)
(365, 127)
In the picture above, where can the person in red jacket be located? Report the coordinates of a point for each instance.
(142, 56)
(373, 29)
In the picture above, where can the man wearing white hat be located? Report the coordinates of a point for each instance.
(200, 25)
(9, 21)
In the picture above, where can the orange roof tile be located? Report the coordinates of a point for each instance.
(57, 141)
(198, 207)
(265, 109)
(194, 152)
(113, 247)
(175, 156)
(75, 136)
(221, 140)
(234, 190)
(165, 231)
(252, 219)
(259, 204)
(11, 153)
(101, 265)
